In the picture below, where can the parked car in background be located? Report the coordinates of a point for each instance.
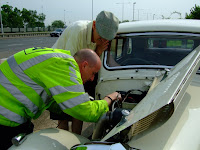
(155, 66)
(56, 33)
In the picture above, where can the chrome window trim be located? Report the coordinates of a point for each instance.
(145, 66)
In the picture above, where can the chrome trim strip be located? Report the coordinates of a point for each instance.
(157, 33)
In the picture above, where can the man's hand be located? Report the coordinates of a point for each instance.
(102, 45)
(112, 97)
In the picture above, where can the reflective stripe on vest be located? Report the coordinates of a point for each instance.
(73, 75)
(36, 60)
(18, 70)
(24, 78)
(17, 94)
(12, 116)
(75, 88)
(60, 89)
(74, 101)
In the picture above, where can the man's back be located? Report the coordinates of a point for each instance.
(75, 37)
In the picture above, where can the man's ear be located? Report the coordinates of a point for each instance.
(94, 25)
(85, 64)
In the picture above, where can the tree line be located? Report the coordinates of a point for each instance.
(15, 18)
(194, 13)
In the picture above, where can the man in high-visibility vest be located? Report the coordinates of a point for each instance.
(34, 79)
(82, 34)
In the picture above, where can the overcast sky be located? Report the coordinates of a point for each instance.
(73, 10)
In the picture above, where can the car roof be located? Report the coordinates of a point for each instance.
(173, 25)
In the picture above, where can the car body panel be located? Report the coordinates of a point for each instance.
(170, 89)
(181, 130)
(51, 138)
(171, 25)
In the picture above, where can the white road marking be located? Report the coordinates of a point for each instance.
(15, 44)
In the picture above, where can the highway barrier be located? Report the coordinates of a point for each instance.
(25, 34)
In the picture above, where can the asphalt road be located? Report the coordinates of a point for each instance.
(9, 46)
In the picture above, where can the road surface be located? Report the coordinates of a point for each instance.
(9, 46)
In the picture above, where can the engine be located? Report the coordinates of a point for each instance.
(118, 111)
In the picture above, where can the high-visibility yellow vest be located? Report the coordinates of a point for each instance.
(34, 78)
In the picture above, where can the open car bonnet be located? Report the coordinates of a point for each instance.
(159, 104)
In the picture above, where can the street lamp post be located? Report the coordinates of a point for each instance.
(123, 9)
(64, 16)
(133, 9)
(1, 20)
(92, 9)
(138, 14)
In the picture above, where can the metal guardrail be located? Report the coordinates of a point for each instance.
(25, 34)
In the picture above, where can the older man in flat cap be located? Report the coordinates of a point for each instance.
(82, 34)
(89, 34)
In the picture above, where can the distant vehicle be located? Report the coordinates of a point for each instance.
(56, 33)
(154, 64)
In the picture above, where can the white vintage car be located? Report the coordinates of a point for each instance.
(155, 65)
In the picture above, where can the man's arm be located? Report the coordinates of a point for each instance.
(65, 86)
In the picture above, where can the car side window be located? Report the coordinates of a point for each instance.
(170, 43)
(121, 45)
(119, 48)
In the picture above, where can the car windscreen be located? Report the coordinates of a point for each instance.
(150, 49)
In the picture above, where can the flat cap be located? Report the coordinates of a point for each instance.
(107, 25)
